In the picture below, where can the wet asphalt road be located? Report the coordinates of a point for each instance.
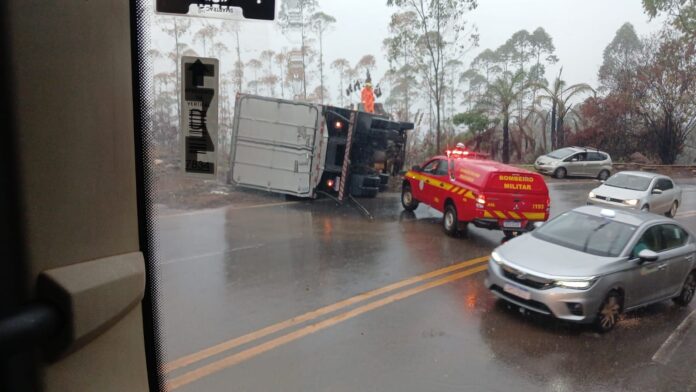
(230, 273)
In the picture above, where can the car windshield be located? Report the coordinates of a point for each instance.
(586, 233)
(628, 181)
(560, 154)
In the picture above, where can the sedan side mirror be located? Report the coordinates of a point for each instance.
(417, 168)
(648, 256)
(657, 191)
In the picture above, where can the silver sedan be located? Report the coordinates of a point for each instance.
(590, 264)
(638, 190)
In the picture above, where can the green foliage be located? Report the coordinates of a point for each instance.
(476, 121)
(621, 56)
(681, 12)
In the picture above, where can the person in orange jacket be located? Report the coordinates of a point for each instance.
(367, 97)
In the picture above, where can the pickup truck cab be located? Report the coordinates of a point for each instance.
(483, 192)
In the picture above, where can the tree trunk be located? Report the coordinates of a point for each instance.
(506, 138)
(554, 141)
(240, 64)
(340, 77)
(437, 125)
(321, 65)
(543, 137)
(178, 71)
(560, 132)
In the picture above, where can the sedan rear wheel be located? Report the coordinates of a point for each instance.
(688, 290)
(673, 210)
(609, 313)
(646, 208)
(560, 173)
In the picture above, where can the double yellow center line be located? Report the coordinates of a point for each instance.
(477, 265)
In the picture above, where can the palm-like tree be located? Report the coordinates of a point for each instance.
(560, 95)
(501, 97)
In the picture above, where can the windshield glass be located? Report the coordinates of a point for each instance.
(587, 233)
(560, 154)
(628, 181)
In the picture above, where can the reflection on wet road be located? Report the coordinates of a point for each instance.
(310, 296)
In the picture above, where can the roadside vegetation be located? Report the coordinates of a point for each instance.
(502, 101)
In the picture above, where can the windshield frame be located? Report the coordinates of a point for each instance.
(538, 234)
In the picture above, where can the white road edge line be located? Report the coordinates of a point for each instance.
(665, 352)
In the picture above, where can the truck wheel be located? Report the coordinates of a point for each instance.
(384, 182)
(407, 200)
(450, 222)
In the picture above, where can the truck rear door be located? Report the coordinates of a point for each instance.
(277, 145)
(513, 196)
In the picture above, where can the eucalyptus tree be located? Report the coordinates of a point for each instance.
(296, 16)
(269, 79)
(367, 63)
(621, 58)
(441, 33)
(341, 66)
(255, 66)
(401, 52)
(205, 34)
(234, 28)
(281, 60)
(321, 23)
(486, 63)
(176, 27)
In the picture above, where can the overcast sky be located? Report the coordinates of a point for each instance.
(580, 29)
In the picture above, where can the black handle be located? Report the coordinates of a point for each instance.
(32, 326)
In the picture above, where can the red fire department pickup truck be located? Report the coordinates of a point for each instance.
(486, 193)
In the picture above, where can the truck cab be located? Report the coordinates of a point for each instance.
(483, 192)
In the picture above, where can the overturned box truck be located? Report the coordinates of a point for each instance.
(303, 149)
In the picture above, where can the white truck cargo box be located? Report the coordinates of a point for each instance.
(277, 145)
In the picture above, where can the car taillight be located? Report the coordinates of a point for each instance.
(330, 183)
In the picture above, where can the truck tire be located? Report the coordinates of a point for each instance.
(362, 185)
(407, 200)
(450, 221)
(383, 182)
